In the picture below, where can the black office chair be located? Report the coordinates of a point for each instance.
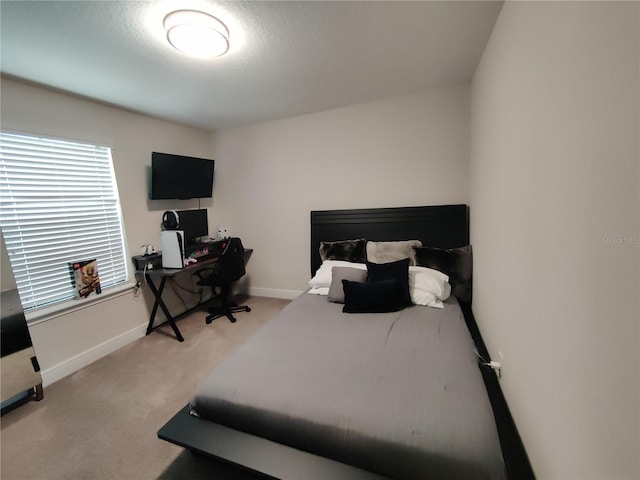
(228, 269)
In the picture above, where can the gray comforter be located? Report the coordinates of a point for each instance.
(396, 393)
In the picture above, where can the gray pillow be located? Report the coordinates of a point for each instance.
(387, 252)
(336, 289)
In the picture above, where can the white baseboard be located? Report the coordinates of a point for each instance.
(274, 293)
(57, 372)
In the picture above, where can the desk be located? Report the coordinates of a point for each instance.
(165, 273)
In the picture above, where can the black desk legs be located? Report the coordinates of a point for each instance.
(157, 293)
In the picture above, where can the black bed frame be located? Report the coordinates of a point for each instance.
(442, 226)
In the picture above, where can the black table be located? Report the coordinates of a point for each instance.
(164, 274)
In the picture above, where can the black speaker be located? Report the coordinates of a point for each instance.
(170, 220)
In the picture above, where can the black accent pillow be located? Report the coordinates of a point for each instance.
(347, 250)
(398, 271)
(455, 262)
(372, 297)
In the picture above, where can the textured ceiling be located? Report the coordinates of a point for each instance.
(287, 58)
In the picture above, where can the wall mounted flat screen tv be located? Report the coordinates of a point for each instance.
(179, 177)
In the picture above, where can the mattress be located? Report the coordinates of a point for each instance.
(398, 393)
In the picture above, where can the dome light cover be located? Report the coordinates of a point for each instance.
(196, 34)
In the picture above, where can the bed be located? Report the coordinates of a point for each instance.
(340, 389)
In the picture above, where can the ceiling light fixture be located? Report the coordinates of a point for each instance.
(196, 34)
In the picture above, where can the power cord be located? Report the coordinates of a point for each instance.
(138, 287)
(491, 365)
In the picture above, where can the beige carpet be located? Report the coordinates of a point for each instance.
(101, 422)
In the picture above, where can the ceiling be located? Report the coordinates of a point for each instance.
(286, 58)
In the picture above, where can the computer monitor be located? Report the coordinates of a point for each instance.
(194, 224)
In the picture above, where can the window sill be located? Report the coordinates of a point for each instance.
(48, 313)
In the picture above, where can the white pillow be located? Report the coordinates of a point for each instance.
(419, 297)
(428, 286)
(319, 291)
(322, 278)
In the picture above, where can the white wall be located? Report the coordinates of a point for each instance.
(555, 211)
(411, 150)
(70, 341)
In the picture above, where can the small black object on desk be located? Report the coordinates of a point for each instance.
(165, 273)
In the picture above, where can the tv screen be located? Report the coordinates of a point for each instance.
(180, 177)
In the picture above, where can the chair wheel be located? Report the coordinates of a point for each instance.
(248, 309)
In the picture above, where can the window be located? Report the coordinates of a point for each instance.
(58, 204)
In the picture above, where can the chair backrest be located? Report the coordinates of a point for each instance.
(231, 262)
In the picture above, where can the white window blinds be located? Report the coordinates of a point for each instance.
(58, 204)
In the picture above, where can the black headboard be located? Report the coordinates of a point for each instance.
(441, 226)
